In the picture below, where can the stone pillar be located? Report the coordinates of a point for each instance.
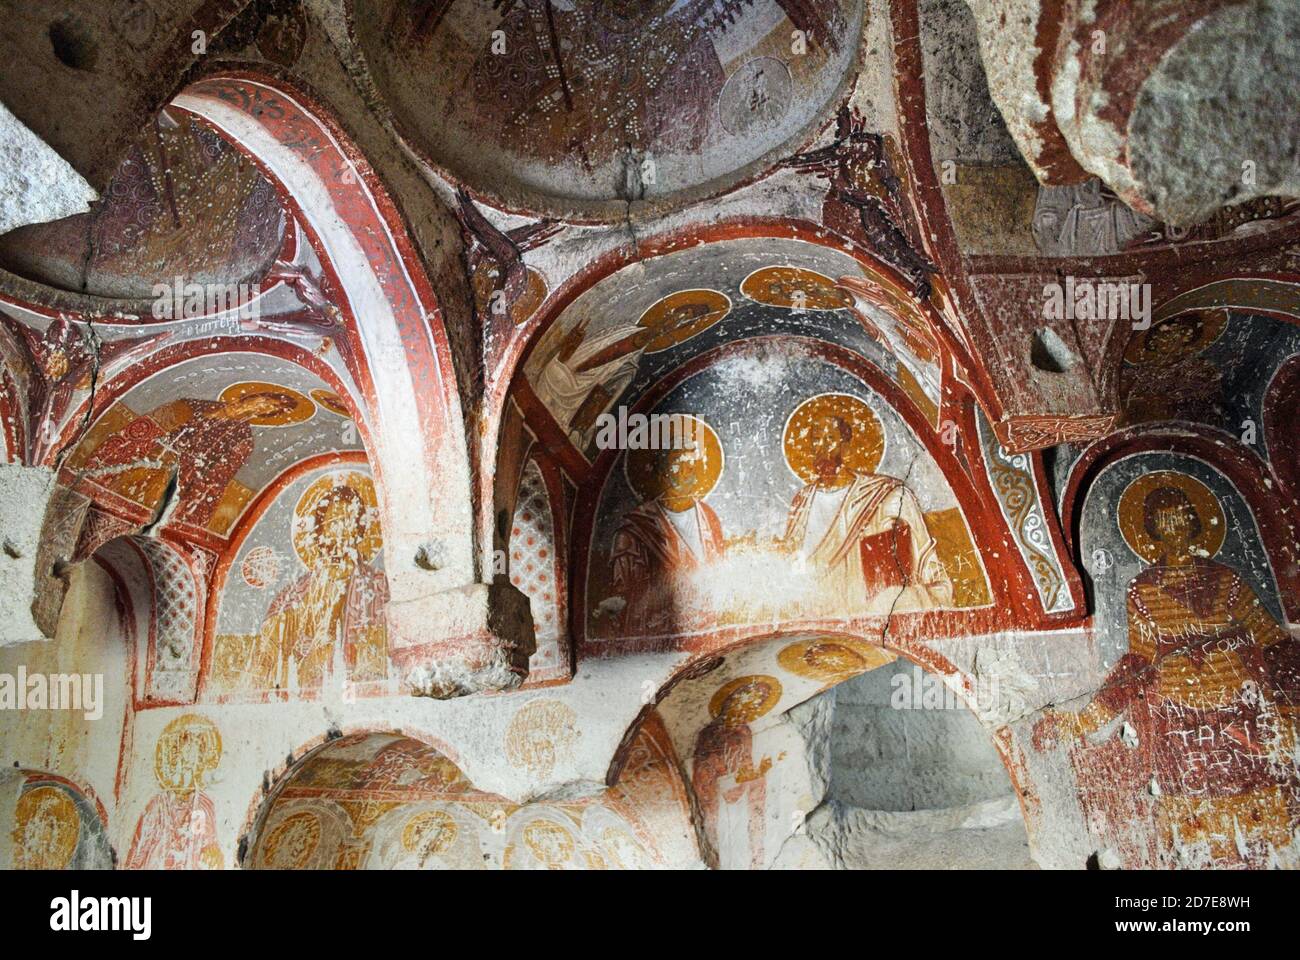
(37, 532)
(461, 641)
(1180, 106)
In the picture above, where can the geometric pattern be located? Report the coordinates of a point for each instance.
(175, 667)
(533, 565)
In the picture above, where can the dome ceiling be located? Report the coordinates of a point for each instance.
(572, 106)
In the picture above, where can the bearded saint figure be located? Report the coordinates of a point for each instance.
(339, 601)
(863, 533)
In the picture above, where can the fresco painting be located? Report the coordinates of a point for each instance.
(596, 357)
(816, 239)
(309, 595)
(52, 824)
(728, 778)
(1212, 366)
(178, 829)
(374, 801)
(848, 525)
(1195, 722)
(211, 448)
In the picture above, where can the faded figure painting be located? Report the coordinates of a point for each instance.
(579, 375)
(203, 444)
(329, 618)
(862, 533)
(1205, 697)
(178, 828)
(729, 782)
(672, 532)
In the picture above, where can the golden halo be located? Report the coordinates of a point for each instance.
(1132, 514)
(550, 842)
(171, 758)
(750, 708)
(1176, 338)
(293, 841)
(55, 814)
(301, 410)
(430, 833)
(485, 285)
(331, 401)
(648, 471)
(832, 658)
(306, 539)
(682, 315)
(777, 286)
(866, 446)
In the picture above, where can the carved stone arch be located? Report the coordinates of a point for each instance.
(1275, 515)
(787, 670)
(162, 586)
(392, 343)
(537, 555)
(430, 815)
(407, 378)
(82, 516)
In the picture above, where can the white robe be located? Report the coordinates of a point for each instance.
(869, 506)
(563, 388)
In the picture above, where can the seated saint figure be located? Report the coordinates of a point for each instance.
(1208, 687)
(862, 533)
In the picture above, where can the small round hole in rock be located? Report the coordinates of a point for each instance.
(73, 44)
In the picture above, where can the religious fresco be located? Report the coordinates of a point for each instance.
(1207, 366)
(218, 528)
(541, 735)
(48, 823)
(802, 495)
(746, 763)
(183, 202)
(215, 432)
(178, 829)
(618, 338)
(728, 778)
(302, 602)
(568, 101)
(379, 801)
(1193, 728)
